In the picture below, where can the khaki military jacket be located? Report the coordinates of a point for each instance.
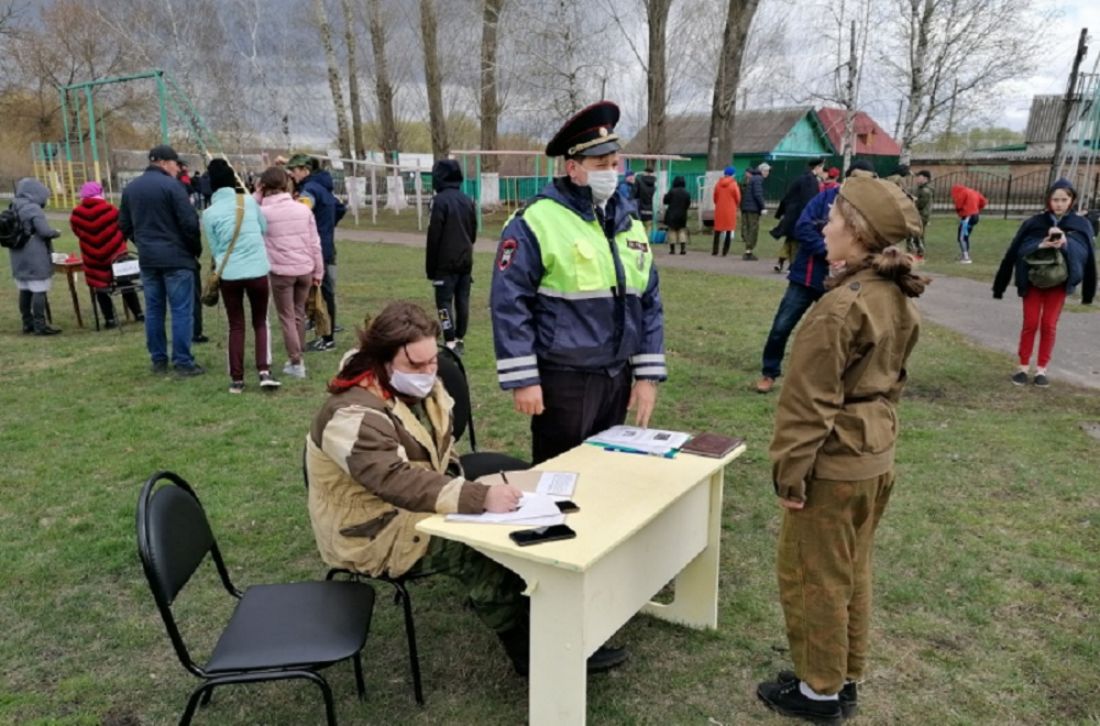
(374, 471)
(836, 418)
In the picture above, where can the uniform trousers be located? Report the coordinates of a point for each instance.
(824, 569)
(495, 592)
(577, 404)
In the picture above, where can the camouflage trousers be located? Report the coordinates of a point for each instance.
(788, 248)
(824, 568)
(750, 229)
(495, 592)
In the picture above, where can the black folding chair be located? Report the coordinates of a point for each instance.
(276, 632)
(476, 463)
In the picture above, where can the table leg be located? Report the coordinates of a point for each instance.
(559, 678)
(696, 597)
(70, 274)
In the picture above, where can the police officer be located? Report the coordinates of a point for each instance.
(578, 325)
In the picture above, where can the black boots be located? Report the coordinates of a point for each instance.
(517, 645)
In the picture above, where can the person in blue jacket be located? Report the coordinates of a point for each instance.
(578, 325)
(806, 277)
(157, 216)
(1061, 232)
(315, 190)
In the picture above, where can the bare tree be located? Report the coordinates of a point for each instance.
(954, 50)
(389, 142)
(358, 149)
(343, 139)
(654, 65)
(724, 102)
(437, 120)
(489, 101)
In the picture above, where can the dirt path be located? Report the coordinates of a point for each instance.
(962, 305)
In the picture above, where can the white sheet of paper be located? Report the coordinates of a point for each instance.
(557, 483)
(531, 506)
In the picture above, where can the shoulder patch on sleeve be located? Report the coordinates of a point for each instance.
(854, 286)
(506, 254)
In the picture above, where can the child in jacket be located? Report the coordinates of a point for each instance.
(1070, 237)
(833, 450)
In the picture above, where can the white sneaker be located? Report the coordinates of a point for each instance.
(294, 370)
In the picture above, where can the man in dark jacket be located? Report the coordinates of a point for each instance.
(646, 187)
(315, 190)
(157, 215)
(806, 279)
(752, 206)
(452, 229)
(798, 195)
(677, 201)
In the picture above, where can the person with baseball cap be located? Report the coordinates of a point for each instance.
(158, 216)
(315, 191)
(578, 326)
(832, 453)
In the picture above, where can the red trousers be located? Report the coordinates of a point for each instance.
(1041, 310)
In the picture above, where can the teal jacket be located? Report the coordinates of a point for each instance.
(249, 258)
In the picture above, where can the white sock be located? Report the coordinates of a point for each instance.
(814, 695)
(1024, 369)
(1040, 371)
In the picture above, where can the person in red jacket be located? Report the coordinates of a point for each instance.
(95, 224)
(968, 204)
(727, 198)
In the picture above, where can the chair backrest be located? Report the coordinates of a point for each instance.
(174, 537)
(453, 375)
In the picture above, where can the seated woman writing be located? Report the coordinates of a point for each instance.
(380, 457)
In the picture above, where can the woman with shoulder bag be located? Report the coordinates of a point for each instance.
(1050, 256)
(234, 229)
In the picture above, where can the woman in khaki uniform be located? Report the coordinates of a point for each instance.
(833, 448)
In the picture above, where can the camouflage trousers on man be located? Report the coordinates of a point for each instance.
(750, 229)
(824, 568)
(495, 592)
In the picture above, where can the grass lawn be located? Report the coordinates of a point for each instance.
(987, 577)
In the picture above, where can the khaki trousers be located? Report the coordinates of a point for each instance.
(824, 568)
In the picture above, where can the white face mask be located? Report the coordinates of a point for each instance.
(603, 183)
(417, 385)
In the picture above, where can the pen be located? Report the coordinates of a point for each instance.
(504, 477)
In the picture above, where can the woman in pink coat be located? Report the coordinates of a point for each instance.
(294, 250)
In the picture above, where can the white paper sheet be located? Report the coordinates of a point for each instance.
(531, 506)
(557, 483)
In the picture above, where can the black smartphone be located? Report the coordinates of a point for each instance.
(1056, 235)
(566, 506)
(525, 537)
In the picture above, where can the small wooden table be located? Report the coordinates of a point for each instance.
(643, 521)
(71, 269)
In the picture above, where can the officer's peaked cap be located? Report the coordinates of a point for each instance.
(588, 133)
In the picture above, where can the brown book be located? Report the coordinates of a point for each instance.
(713, 445)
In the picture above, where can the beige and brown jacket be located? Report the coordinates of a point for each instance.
(836, 418)
(374, 471)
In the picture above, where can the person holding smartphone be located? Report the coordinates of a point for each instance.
(1058, 238)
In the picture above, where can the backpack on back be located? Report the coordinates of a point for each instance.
(12, 235)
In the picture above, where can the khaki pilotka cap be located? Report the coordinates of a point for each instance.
(888, 210)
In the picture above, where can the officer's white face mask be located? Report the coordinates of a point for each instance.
(603, 183)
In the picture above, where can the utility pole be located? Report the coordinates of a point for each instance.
(850, 102)
(1067, 105)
